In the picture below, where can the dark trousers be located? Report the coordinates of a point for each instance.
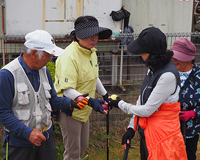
(191, 147)
(143, 150)
(47, 151)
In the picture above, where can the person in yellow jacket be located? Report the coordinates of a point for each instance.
(76, 74)
(156, 113)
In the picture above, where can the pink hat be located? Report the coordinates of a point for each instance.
(184, 50)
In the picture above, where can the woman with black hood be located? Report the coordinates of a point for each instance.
(156, 113)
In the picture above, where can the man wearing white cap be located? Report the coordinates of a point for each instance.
(27, 96)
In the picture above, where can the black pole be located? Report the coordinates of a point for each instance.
(184, 130)
(126, 151)
(107, 130)
(183, 127)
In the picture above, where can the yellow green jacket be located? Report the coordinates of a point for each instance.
(78, 69)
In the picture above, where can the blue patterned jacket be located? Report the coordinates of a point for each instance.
(190, 99)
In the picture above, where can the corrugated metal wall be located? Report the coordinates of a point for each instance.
(56, 16)
(171, 16)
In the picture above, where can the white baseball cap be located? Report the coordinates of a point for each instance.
(42, 41)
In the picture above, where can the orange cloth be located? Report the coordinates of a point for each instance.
(162, 132)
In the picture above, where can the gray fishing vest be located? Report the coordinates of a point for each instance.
(31, 108)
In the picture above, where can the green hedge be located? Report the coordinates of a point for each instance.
(51, 67)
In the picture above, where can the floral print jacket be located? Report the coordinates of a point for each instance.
(190, 100)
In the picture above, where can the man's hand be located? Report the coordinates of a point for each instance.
(96, 105)
(79, 102)
(126, 138)
(36, 137)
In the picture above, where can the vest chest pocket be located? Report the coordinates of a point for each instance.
(47, 89)
(23, 114)
(48, 109)
(23, 93)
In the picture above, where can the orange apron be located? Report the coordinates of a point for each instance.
(162, 132)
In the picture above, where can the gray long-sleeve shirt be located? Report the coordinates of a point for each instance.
(162, 93)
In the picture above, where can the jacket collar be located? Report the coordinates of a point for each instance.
(84, 50)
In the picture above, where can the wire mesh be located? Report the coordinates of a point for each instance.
(120, 72)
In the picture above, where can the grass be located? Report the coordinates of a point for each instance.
(97, 149)
(98, 144)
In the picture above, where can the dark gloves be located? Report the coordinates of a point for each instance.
(113, 102)
(96, 104)
(130, 133)
(105, 97)
(79, 102)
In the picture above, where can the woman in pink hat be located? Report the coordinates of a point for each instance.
(184, 56)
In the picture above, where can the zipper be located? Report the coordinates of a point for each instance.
(90, 58)
(91, 63)
(146, 88)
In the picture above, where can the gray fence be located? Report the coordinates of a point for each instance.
(121, 73)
